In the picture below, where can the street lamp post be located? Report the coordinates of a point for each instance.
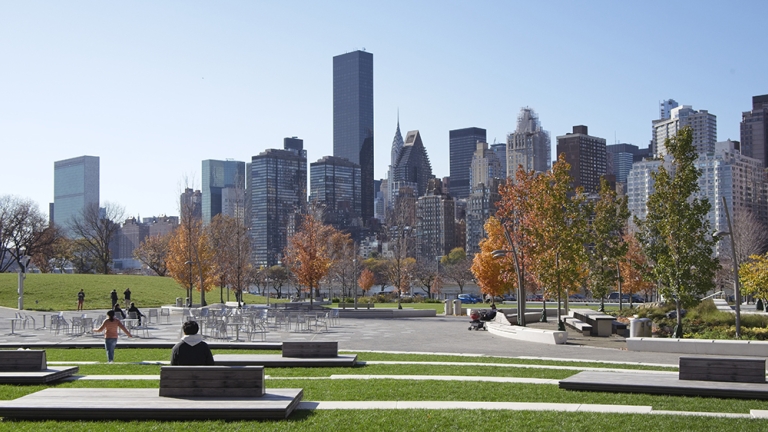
(23, 262)
(518, 270)
(735, 261)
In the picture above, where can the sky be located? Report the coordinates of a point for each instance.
(155, 87)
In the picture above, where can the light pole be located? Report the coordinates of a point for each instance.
(23, 262)
(735, 261)
(518, 270)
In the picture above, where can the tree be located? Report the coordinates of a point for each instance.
(399, 275)
(190, 258)
(493, 275)
(278, 276)
(609, 217)
(635, 269)
(753, 276)
(556, 229)
(96, 231)
(378, 267)
(153, 251)
(676, 234)
(366, 280)
(24, 231)
(425, 275)
(344, 263)
(308, 255)
(456, 267)
(229, 238)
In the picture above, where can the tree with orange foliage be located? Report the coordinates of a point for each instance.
(190, 258)
(635, 269)
(308, 255)
(366, 280)
(556, 226)
(493, 275)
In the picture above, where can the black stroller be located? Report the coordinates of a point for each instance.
(479, 318)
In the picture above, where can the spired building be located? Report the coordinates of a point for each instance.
(223, 189)
(462, 146)
(353, 119)
(277, 194)
(754, 130)
(412, 168)
(586, 155)
(529, 146)
(435, 223)
(397, 147)
(75, 188)
(335, 183)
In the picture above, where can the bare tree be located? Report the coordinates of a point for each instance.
(152, 253)
(96, 231)
(24, 230)
(750, 234)
(232, 244)
(425, 275)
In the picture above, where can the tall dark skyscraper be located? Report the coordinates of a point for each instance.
(353, 119)
(587, 156)
(463, 143)
(754, 130)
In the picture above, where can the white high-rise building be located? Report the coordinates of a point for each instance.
(529, 145)
(485, 166)
(724, 173)
(703, 123)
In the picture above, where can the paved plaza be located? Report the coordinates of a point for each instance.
(441, 334)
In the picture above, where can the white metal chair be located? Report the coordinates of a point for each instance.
(152, 313)
(165, 312)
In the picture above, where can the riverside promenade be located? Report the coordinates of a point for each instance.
(440, 334)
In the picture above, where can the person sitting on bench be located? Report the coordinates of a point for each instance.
(191, 351)
(490, 315)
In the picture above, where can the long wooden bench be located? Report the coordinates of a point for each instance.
(212, 381)
(311, 349)
(29, 367)
(722, 369)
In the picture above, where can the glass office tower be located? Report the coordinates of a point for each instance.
(75, 187)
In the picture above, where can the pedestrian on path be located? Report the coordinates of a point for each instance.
(113, 296)
(110, 327)
(80, 299)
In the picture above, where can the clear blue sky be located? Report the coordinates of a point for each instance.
(155, 87)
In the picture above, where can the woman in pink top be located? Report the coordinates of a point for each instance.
(110, 327)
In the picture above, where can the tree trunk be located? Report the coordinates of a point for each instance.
(679, 326)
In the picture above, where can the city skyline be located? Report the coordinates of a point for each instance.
(154, 89)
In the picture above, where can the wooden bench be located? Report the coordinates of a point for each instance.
(310, 349)
(722, 369)
(579, 325)
(212, 381)
(23, 361)
(359, 305)
(30, 367)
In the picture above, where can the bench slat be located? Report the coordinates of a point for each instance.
(722, 369)
(310, 349)
(212, 381)
(22, 360)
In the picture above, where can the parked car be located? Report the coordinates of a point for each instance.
(577, 297)
(469, 299)
(614, 297)
(508, 297)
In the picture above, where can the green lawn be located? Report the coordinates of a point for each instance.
(58, 292)
(319, 389)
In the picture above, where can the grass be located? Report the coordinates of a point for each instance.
(417, 421)
(58, 292)
(390, 389)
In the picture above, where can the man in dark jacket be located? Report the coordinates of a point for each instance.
(113, 296)
(191, 351)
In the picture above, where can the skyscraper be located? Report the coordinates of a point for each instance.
(335, 183)
(413, 168)
(75, 187)
(397, 147)
(353, 119)
(191, 204)
(529, 145)
(587, 157)
(277, 194)
(665, 108)
(435, 223)
(485, 166)
(754, 130)
(620, 159)
(463, 143)
(223, 188)
(703, 123)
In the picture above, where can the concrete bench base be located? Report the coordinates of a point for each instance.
(579, 325)
(527, 334)
(699, 346)
(146, 404)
